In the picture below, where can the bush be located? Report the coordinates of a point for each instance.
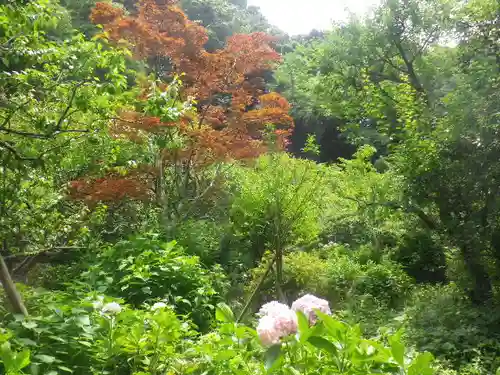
(442, 320)
(79, 333)
(349, 279)
(145, 270)
(341, 279)
(422, 257)
(53, 276)
(278, 199)
(302, 273)
(201, 238)
(76, 333)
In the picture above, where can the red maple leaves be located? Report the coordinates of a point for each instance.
(227, 84)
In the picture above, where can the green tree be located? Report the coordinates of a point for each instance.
(58, 91)
(276, 206)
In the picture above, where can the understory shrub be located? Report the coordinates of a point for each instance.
(422, 257)
(145, 269)
(84, 333)
(340, 278)
(442, 320)
(201, 238)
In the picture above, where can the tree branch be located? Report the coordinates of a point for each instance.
(44, 251)
(70, 104)
(426, 219)
(12, 150)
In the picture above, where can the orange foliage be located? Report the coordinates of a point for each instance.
(274, 100)
(227, 84)
(111, 188)
(163, 30)
(135, 126)
(103, 13)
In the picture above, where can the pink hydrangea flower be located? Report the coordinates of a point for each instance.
(267, 331)
(272, 308)
(308, 304)
(277, 321)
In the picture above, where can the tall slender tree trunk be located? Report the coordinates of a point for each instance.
(257, 288)
(11, 292)
(279, 274)
(159, 188)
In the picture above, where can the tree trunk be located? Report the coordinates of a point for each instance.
(279, 275)
(159, 188)
(482, 289)
(11, 292)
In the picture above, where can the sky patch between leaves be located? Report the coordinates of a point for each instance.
(301, 16)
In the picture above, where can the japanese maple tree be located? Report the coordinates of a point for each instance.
(225, 87)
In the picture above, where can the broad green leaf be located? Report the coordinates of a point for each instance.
(304, 329)
(272, 355)
(224, 355)
(322, 343)
(29, 324)
(22, 359)
(397, 348)
(223, 313)
(28, 342)
(334, 327)
(422, 365)
(45, 358)
(292, 370)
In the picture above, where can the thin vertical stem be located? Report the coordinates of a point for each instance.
(250, 299)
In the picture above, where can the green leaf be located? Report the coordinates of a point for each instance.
(223, 313)
(27, 342)
(334, 327)
(22, 359)
(271, 356)
(397, 348)
(29, 324)
(322, 343)
(225, 355)
(63, 368)
(45, 358)
(292, 370)
(422, 365)
(304, 330)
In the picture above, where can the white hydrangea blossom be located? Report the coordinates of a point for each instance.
(99, 303)
(158, 306)
(112, 308)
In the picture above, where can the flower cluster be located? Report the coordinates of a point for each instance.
(277, 320)
(110, 308)
(308, 304)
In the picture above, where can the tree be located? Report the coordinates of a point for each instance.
(348, 78)
(225, 88)
(57, 91)
(276, 207)
(454, 169)
(223, 18)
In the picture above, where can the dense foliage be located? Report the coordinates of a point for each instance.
(164, 211)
